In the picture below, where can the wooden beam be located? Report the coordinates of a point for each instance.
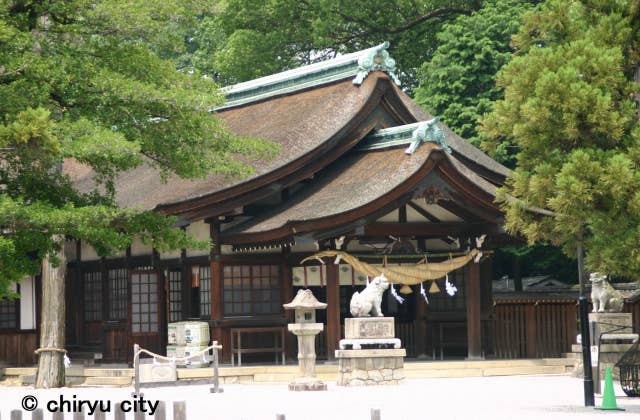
(216, 287)
(402, 214)
(384, 229)
(333, 310)
(468, 211)
(474, 324)
(424, 213)
(286, 296)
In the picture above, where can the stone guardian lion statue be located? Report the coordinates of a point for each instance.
(368, 301)
(604, 297)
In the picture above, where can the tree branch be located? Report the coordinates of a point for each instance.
(407, 25)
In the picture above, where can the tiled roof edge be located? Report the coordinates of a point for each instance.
(358, 65)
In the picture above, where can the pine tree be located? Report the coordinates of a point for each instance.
(569, 107)
(87, 80)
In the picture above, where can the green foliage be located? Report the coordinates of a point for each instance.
(538, 259)
(274, 35)
(458, 82)
(91, 80)
(569, 109)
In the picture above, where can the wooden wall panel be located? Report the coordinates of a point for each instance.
(16, 348)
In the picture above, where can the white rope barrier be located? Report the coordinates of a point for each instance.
(136, 356)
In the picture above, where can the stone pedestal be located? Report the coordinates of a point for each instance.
(615, 341)
(370, 354)
(306, 380)
(612, 322)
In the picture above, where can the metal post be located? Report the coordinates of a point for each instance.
(589, 400)
(375, 414)
(216, 377)
(136, 367)
(595, 338)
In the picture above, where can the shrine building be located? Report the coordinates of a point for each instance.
(361, 168)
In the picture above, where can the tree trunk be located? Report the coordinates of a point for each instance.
(51, 363)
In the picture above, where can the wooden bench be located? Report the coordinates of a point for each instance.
(236, 342)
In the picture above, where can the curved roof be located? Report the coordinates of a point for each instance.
(307, 125)
(317, 115)
(358, 187)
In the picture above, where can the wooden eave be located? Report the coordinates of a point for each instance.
(436, 160)
(383, 99)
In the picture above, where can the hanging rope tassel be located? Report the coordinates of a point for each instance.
(424, 293)
(396, 295)
(451, 288)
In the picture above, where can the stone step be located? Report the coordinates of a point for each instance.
(17, 371)
(26, 380)
(107, 381)
(105, 372)
(486, 364)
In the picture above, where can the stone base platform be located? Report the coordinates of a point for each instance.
(370, 367)
(379, 343)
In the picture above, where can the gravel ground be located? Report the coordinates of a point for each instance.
(507, 397)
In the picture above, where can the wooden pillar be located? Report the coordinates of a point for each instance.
(286, 296)
(530, 330)
(333, 310)
(78, 302)
(216, 289)
(420, 325)
(474, 324)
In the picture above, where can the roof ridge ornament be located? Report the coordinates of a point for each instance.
(413, 135)
(376, 58)
(427, 131)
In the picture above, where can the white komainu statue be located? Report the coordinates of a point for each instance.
(369, 300)
(604, 297)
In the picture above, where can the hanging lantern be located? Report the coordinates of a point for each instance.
(434, 287)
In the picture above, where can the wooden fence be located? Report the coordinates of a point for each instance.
(533, 329)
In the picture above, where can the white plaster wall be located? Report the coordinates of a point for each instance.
(27, 304)
(200, 231)
(441, 213)
(304, 247)
(170, 255)
(88, 253)
(138, 248)
(389, 217)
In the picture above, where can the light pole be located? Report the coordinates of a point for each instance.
(584, 330)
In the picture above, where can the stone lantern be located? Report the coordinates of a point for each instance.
(306, 328)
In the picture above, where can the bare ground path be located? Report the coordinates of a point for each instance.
(513, 397)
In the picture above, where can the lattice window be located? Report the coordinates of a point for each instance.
(93, 296)
(8, 314)
(175, 295)
(205, 291)
(251, 290)
(144, 302)
(118, 293)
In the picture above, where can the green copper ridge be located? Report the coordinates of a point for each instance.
(358, 65)
(412, 135)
